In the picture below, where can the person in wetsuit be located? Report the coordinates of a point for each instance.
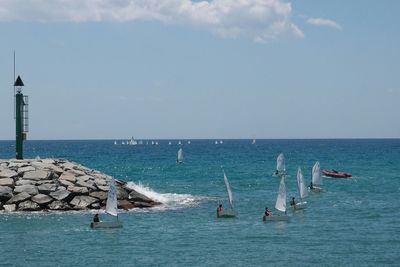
(293, 202)
(219, 210)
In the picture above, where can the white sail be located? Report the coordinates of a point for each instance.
(316, 174)
(301, 185)
(111, 206)
(180, 155)
(281, 199)
(228, 189)
(280, 164)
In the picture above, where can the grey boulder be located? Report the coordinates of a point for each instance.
(36, 175)
(5, 193)
(19, 198)
(28, 206)
(6, 182)
(42, 199)
(28, 188)
(60, 194)
(83, 201)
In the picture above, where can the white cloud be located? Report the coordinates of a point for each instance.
(324, 22)
(260, 20)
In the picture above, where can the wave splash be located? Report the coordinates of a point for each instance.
(168, 200)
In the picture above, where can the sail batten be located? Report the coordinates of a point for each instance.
(228, 189)
(316, 174)
(281, 199)
(111, 206)
(300, 184)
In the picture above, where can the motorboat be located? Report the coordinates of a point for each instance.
(336, 174)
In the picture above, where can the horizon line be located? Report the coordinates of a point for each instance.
(213, 139)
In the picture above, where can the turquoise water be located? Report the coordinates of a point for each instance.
(354, 222)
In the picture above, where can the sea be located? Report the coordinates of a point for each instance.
(353, 222)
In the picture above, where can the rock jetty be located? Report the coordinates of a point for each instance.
(59, 184)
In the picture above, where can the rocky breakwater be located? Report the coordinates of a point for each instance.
(58, 184)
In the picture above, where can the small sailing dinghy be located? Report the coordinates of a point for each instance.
(179, 159)
(280, 204)
(280, 165)
(316, 179)
(111, 209)
(302, 191)
(229, 213)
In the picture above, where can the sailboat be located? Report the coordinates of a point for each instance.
(302, 191)
(254, 141)
(316, 179)
(280, 165)
(229, 213)
(280, 204)
(111, 209)
(132, 142)
(180, 156)
(115, 142)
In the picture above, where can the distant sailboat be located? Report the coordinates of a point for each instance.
(122, 143)
(169, 143)
(188, 142)
(316, 179)
(254, 141)
(216, 142)
(280, 165)
(180, 156)
(132, 142)
(302, 191)
(111, 209)
(280, 204)
(221, 142)
(229, 213)
(115, 142)
(179, 143)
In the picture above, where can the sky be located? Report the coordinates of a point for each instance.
(99, 69)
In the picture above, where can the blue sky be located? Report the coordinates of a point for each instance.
(216, 69)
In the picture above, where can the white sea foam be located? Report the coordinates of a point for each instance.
(168, 200)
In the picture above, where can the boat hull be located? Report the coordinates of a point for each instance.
(227, 214)
(275, 218)
(316, 189)
(300, 206)
(336, 174)
(112, 224)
